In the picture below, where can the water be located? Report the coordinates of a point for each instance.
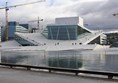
(86, 60)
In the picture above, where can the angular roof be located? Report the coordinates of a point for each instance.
(53, 48)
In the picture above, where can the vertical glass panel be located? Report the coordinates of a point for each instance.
(63, 32)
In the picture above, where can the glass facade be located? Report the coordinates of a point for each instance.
(11, 30)
(12, 23)
(25, 25)
(45, 33)
(21, 29)
(23, 42)
(62, 32)
(80, 30)
(3, 34)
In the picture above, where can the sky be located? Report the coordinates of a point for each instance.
(96, 13)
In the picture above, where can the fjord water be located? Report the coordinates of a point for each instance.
(86, 60)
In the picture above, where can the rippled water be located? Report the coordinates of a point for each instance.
(87, 60)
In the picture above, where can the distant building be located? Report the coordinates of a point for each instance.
(24, 25)
(115, 44)
(112, 38)
(2, 34)
(13, 27)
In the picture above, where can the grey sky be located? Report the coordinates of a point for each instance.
(96, 13)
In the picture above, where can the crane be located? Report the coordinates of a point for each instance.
(38, 21)
(6, 13)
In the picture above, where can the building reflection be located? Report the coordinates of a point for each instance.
(64, 59)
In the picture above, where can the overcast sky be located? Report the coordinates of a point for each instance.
(96, 13)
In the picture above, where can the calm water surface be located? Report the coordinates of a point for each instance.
(87, 60)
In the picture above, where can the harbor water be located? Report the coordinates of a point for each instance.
(85, 60)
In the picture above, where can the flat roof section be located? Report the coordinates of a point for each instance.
(11, 43)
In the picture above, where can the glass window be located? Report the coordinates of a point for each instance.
(63, 32)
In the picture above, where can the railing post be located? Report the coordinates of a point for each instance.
(49, 70)
(110, 76)
(28, 68)
(76, 73)
(11, 66)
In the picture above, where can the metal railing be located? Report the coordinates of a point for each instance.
(50, 69)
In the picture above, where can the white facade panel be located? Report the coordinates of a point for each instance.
(69, 21)
(81, 21)
(103, 39)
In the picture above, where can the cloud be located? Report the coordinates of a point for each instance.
(97, 13)
(103, 14)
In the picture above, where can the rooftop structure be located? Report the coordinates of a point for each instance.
(68, 28)
(69, 21)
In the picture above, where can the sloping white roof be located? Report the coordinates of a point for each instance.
(12, 43)
(54, 48)
(38, 38)
(9, 45)
(70, 47)
(73, 24)
(26, 48)
(85, 28)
